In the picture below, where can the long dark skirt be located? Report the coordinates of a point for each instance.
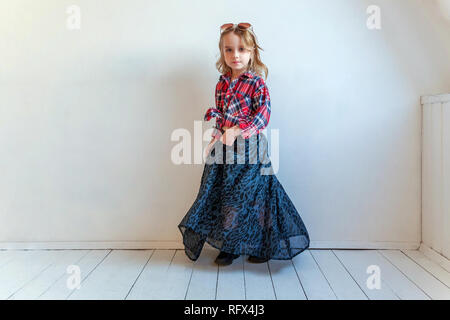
(241, 207)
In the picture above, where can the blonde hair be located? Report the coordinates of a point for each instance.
(249, 39)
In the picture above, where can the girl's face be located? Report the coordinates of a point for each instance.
(235, 54)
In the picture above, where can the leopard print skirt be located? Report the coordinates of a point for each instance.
(241, 207)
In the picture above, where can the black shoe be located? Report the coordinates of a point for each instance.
(254, 259)
(225, 259)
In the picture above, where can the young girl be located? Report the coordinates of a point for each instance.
(240, 209)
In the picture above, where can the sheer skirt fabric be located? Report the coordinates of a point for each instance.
(241, 207)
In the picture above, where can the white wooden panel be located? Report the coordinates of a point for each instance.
(165, 277)
(436, 175)
(434, 256)
(432, 267)
(313, 281)
(435, 98)
(427, 192)
(434, 288)
(24, 268)
(231, 284)
(258, 283)
(151, 279)
(403, 287)
(60, 290)
(177, 277)
(446, 179)
(356, 263)
(285, 280)
(166, 274)
(114, 277)
(40, 284)
(203, 283)
(343, 285)
(6, 256)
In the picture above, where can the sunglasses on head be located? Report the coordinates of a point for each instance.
(242, 26)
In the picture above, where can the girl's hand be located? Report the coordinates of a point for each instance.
(230, 135)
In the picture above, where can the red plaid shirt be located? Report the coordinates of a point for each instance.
(246, 104)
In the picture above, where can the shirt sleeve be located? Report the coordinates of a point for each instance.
(260, 117)
(215, 113)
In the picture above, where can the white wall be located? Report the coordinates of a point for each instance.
(86, 116)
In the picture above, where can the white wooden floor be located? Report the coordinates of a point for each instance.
(169, 274)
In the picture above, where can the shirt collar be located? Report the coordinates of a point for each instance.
(247, 74)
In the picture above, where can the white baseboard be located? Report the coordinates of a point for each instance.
(319, 244)
(435, 256)
(353, 244)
